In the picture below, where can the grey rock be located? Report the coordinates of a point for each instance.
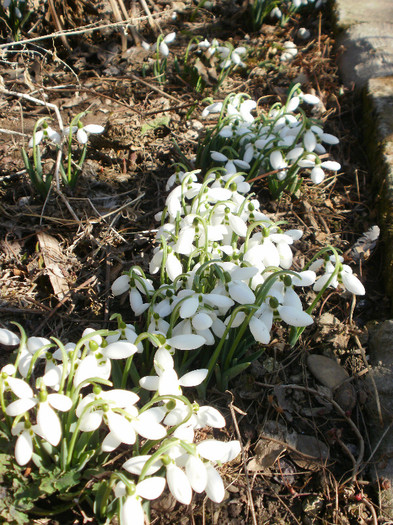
(326, 370)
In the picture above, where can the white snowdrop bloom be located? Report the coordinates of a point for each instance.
(277, 161)
(293, 104)
(48, 423)
(132, 512)
(45, 133)
(216, 107)
(168, 383)
(8, 338)
(33, 345)
(350, 281)
(309, 99)
(93, 365)
(276, 13)
(83, 132)
(303, 33)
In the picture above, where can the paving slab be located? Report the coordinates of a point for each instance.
(365, 32)
(351, 12)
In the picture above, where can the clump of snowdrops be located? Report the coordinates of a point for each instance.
(221, 278)
(283, 10)
(49, 143)
(281, 145)
(15, 14)
(67, 408)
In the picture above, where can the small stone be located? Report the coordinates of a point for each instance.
(326, 370)
(345, 396)
(314, 453)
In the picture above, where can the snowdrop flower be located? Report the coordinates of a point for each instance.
(163, 47)
(216, 107)
(345, 276)
(290, 51)
(45, 133)
(33, 345)
(132, 512)
(48, 424)
(83, 132)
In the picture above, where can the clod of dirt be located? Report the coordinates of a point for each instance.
(313, 452)
(326, 371)
(345, 396)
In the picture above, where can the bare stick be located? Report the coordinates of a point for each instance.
(59, 120)
(239, 437)
(146, 8)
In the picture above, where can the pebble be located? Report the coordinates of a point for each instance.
(326, 370)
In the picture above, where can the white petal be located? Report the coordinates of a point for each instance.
(147, 427)
(119, 350)
(170, 38)
(218, 156)
(121, 428)
(90, 421)
(110, 443)
(193, 378)
(215, 489)
(259, 330)
(122, 398)
(238, 225)
(178, 484)
(352, 283)
(81, 136)
(8, 338)
(135, 465)
(331, 165)
(209, 416)
(150, 488)
(294, 316)
(23, 448)
(164, 49)
(196, 473)
(19, 387)
(121, 285)
(173, 266)
(211, 449)
(186, 342)
(48, 423)
(94, 128)
(189, 307)
(60, 402)
(131, 512)
(241, 293)
(317, 175)
(20, 406)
